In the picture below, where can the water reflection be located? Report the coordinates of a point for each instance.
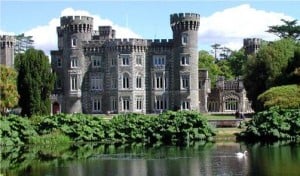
(138, 160)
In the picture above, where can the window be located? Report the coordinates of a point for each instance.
(139, 103)
(73, 42)
(138, 82)
(159, 82)
(125, 81)
(160, 103)
(113, 61)
(125, 103)
(114, 104)
(231, 104)
(74, 62)
(74, 82)
(58, 83)
(96, 61)
(125, 60)
(58, 64)
(184, 38)
(185, 60)
(96, 104)
(114, 83)
(185, 105)
(138, 59)
(213, 106)
(185, 81)
(96, 83)
(159, 60)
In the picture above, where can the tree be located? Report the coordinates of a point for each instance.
(289, 29)
(8, 89)
(216, 47)
(35, 82)
(267, 69)
(207, 61)
(236, 61)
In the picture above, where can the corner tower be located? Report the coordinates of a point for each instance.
(73, 30)
(184, 79)
(7, 50)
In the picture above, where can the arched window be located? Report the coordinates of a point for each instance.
(231, 104)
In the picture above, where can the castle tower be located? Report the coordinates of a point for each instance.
(252, 45)
(184, 78)
(7, 50)
(71, 33)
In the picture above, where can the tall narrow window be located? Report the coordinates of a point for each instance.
(73, 42)
(139, 103)
(58, 83)
(185, 81)
(185, 105)
(185, 60)
(126, 104)
(113, 61)
(125, 81)
(74, 82)
(125, 59)
(159, 81)
(114, 83)
(184, 38)
(96, 61)
(96, 83)
(138, 59)
(96, 104)
(58, 64)
(74, 62)
(114, 104)
(138, 82)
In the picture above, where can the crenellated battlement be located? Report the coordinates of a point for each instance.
(7, 38)
(184, 16)
(185, 21)
(65, 20)
(7, 41)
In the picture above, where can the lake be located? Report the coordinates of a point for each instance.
(280, 158)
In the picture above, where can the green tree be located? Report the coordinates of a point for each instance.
(236, 61)
(289, 29)
(35, 82)
(8, 89)
(267, 69)
(225, 69)
(207, 61)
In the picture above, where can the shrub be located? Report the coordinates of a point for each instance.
(273, 124)
(283, 96)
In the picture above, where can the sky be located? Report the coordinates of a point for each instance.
(223, 22)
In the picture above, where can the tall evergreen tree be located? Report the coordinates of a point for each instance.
(35, 82)
(289, 29)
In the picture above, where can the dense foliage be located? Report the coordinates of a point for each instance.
(273, 124)
(8, 89)
(273, 65)
(169, 127)
(289, 29)
(35, 82)
(283, 96)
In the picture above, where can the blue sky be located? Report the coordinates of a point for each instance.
(224, 22)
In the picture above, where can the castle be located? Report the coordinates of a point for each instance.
(98, 73)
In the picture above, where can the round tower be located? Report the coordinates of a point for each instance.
(7, 50)
(71, 33)
(185, 83)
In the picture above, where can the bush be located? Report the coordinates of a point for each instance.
(273, 124)
(283, 96)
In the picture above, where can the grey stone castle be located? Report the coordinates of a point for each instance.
(97, 73)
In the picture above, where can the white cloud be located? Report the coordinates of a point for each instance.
(45, 37)
(230, 26)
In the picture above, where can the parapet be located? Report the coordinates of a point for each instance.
(184, 17)
(7, 38)
(65, 20)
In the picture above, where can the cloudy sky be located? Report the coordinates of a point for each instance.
(223, 22)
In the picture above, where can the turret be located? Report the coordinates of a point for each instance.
(185, 64)
(7, 50)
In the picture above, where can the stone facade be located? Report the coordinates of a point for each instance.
(97, 73)
(7, 50)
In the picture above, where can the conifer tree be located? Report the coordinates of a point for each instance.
(35, 82)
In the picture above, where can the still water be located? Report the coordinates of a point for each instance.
(281, 158)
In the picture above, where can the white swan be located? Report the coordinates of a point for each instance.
(240, 154)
